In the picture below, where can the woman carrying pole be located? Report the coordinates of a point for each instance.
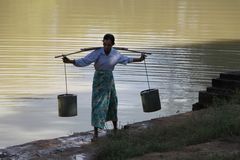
(104, 98)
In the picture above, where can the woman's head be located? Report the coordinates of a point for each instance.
(108, 42)
(110, 37)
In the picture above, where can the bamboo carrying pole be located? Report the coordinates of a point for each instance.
(94, 48)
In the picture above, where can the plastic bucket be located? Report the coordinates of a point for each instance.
(67, 105)
(150, 100)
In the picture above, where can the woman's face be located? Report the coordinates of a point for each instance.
(107, 45)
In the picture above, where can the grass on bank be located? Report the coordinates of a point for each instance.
(234, 156)
(221, 120)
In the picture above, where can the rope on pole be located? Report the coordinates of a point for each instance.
(146, 74)
(65, 71)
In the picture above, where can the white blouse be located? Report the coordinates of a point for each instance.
(103, 61)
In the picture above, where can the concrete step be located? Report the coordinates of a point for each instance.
(220, 90)
(226, 84)
(207, 98)
(198, 106)
(235, 75)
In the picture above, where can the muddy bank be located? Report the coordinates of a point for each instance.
(68, 147)
(72, 147)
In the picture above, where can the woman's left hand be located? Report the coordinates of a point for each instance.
(143, 56)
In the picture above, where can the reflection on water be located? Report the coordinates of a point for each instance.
(191, 42)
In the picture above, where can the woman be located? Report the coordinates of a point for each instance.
(104, 98)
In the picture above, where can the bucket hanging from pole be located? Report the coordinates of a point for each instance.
(150, 100)
(67, 103)
(150, 97)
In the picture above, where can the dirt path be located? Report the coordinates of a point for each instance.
(224, 147)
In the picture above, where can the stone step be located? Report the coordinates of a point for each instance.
(220, 90)
(235, 75)
(198, 106)
(207, 98)
(226, 84)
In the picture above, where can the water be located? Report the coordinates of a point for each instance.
(191, 41)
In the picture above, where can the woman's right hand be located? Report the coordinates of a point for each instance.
(66, 60)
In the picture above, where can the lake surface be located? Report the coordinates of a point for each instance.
(191, 42)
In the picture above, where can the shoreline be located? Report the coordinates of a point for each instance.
(71, 147)
(78, 146)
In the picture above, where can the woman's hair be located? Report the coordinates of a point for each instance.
(110, 37)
